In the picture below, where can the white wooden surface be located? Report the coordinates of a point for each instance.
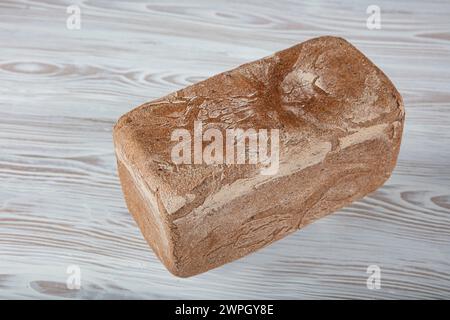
(61, 91)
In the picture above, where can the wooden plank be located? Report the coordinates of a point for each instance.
(61, 91)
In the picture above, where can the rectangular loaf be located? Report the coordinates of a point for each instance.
(340, 122)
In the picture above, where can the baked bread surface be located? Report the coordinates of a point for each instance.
(340, 122)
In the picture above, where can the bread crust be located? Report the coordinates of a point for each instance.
(340, 121)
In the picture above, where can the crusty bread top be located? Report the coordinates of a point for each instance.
(317, 91)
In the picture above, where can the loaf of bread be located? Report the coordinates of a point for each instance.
(327, 125)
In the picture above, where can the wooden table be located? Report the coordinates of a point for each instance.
(62, 89)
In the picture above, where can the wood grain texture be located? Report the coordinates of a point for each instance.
(62, 90)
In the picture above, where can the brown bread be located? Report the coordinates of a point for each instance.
(340, 122)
